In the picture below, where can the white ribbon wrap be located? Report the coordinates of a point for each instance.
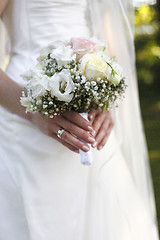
(86, 158)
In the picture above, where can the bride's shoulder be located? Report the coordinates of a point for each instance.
(3, 5)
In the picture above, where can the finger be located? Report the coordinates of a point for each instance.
(70, 139)
(105, 138)
(103, 128)
(92, 114)
(70, 147)
(67, 137)
(100, 136)
(74, 130)
(101, 133)
(100, 118)
(98, 122)
(78, 120)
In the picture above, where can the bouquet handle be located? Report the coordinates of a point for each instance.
(86, 158)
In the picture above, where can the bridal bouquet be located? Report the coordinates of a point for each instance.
(73, 76)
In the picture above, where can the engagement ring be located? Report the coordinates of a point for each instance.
(60, 132)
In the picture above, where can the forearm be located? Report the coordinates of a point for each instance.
(3, 4)
(10, 93)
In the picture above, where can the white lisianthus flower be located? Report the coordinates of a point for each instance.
(116, 75)
(61, 85)
(93, 67)
(63, 55)
(27, 75)
(37, 82)
(26, 102)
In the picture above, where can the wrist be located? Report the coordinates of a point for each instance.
(28, 116)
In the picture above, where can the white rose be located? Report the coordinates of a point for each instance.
(118, 75)
(63, 55)
(45, 51)
(61, 85)
(101, 46)
(92, 66)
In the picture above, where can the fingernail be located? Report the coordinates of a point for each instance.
(85, 148)
(94, 144)
(90, 128)
(93, 132)
(90, 117)
(91, 139)
(100, 147)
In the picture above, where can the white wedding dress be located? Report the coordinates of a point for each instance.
(45, 193)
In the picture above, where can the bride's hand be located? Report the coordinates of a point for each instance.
(103, 124)
(75, 127)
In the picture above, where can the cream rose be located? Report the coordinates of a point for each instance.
(92, 66)
(61, 85)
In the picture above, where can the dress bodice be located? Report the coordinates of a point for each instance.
(33, 24)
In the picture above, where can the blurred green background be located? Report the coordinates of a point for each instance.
(147, 42)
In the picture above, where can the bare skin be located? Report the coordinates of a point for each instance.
(102, 124)
(3, 4)
(94, 132)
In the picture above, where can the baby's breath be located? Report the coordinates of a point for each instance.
(87, 94)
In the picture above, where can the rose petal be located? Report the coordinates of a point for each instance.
(82, 44)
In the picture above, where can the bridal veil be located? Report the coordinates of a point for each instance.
(114, 21)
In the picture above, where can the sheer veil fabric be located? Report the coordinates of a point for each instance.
(115, 22)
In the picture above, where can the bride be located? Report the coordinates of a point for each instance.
(46, 194)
